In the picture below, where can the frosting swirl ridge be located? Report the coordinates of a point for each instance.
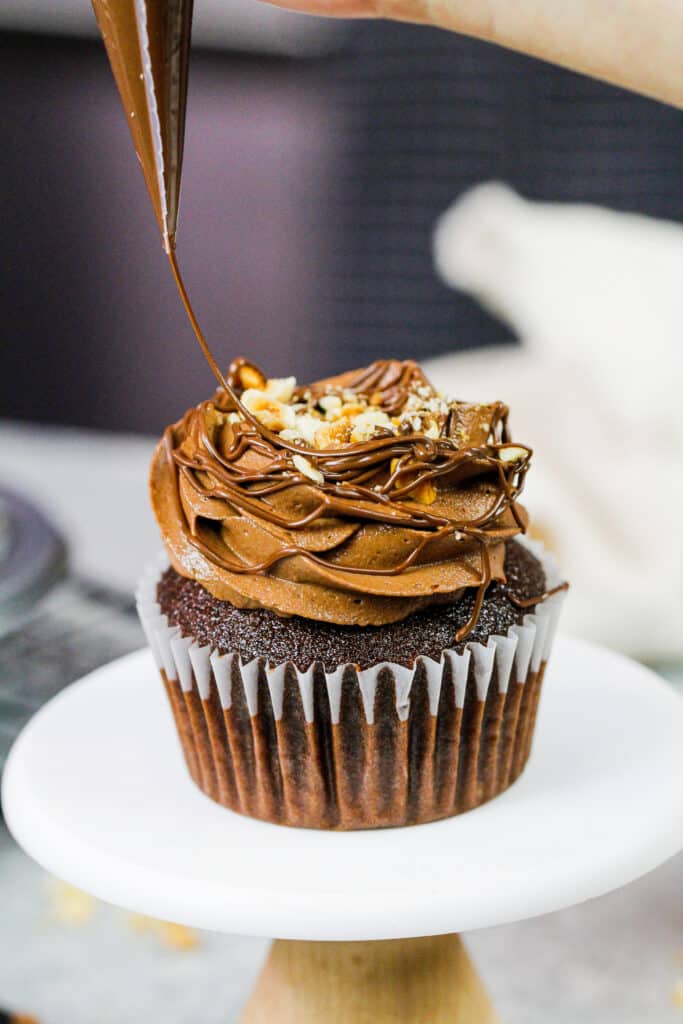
(357, 500)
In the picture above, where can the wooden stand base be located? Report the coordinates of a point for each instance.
(405, 981)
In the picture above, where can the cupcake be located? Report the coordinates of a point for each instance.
(350, 624)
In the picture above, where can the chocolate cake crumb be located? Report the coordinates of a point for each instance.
(261, 633)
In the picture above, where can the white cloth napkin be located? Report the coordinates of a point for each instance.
(597, 389)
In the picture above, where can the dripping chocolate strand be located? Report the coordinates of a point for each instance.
(383, 376)
(345, 469)
(228, 386)
(481, 594)
(203, 344)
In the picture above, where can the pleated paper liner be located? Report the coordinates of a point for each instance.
(351, 749)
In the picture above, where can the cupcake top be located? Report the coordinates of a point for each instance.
(354, 500)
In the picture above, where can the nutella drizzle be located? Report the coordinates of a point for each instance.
(396, 465)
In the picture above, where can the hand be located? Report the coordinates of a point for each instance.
(632, 43)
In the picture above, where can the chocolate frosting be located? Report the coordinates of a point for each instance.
(257, 632)
(361, 546)
(148, 44)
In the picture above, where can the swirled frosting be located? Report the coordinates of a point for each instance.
(356, 500)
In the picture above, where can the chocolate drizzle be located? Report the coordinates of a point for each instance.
(249, 470)
(257, 632)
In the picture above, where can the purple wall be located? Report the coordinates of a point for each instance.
(94, 332)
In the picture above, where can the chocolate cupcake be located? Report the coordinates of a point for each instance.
(352, 630)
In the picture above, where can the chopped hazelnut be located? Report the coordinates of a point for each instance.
(329, 402)
(425, 493)
(272, 414)
(305, 467)
(332, 435)
(281, 388)
(249, 377)
(512, 453)
(366, 423)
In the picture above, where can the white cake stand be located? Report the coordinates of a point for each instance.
(96, 791)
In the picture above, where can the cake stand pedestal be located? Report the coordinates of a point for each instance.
(398, 980)
(96, 791)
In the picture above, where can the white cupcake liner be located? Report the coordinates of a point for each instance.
(503, 659)
(350, 748)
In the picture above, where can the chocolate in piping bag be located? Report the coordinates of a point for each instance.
(148, 44)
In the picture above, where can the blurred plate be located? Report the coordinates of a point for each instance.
(32, 560)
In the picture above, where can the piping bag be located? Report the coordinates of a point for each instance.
(148, 45)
